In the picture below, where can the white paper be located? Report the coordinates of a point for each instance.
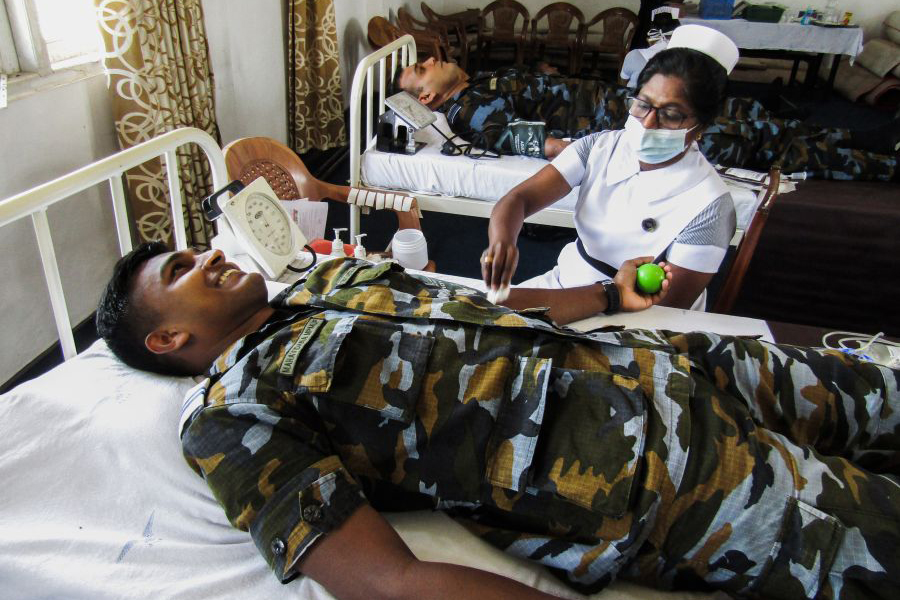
(309, 216)
(2, 91)
(747, 174)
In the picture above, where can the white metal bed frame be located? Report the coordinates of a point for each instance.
(365, 82)
(34, 203)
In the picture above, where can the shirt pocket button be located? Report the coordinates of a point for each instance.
(277, 546)
(312, 513)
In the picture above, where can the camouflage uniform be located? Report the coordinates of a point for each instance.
(681, 460)
(821, 152)
(568, 106)
(745, 135)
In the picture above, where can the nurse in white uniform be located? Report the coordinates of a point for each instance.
(645, 191)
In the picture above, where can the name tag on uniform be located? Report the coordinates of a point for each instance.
(492, 84)
(290, 359)
(348, 274)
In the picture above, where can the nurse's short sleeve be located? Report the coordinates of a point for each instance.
(702, 244)
(572, 162)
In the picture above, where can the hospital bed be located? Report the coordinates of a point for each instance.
(97, 501)
(450, 184)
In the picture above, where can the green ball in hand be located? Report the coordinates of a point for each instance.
(650, 278)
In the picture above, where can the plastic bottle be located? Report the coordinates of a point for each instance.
(337, 246)
(359, 251)
(831, 12)
(410, 248)
(807, 16)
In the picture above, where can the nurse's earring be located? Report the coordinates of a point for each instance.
(696, 138)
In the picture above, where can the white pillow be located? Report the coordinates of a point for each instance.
(98, 502)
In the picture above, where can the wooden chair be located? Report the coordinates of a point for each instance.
(458, 28)
(556, 29)
(732, 273)
(608, 36)
(249, 158)
(498, 24)
(431, 40)
(382, 32)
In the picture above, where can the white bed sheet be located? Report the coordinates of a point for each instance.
(430, 172)
(98, 502)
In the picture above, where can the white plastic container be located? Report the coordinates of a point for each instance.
(410, 248)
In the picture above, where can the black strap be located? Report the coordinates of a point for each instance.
(604, 268)
(601, 266)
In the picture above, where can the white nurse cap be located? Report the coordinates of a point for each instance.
(713, 43)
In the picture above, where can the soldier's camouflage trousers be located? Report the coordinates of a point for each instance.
(790, 493)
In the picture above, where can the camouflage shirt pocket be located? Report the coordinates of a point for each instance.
(801, 558)
(592, 429)
(310, 359)
(381, 366)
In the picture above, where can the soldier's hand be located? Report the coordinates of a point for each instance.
(625, 279)
(498, 263)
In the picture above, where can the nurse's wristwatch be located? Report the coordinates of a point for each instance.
(613, 299)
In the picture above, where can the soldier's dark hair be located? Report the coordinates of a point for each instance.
(704, 79)
(395, 85)
(123, 323)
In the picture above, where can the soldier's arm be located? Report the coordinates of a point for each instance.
(571, 304)
(365, 558)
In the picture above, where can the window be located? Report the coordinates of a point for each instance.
(42, 36)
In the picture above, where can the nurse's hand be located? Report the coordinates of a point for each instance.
(498, 263)
(625, 279)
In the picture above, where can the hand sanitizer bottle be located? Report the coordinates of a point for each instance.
(337, 245)
(359, 251)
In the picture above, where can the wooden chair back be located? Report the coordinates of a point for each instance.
(609, 33)
(499, 23)
(382, 32)
(249, 158)
(431, 40)
(456, 28)
(734, 277)
(557, 26)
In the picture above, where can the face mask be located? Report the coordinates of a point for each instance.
(654, 146)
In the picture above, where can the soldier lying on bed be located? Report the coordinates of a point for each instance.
(687, 461)
(481, 109)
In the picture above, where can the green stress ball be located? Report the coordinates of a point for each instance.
(650, 278)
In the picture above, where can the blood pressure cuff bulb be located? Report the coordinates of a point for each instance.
(525, 138)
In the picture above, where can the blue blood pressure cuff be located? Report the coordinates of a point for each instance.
(525, 138)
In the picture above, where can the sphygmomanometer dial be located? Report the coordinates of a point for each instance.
(268, 224)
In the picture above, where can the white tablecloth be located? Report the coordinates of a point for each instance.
(753, 35)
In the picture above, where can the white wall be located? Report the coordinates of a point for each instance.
(45, 135)
(246, 47)
(352, 18)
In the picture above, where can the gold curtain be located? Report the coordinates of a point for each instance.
(157, 63)
(315, 102)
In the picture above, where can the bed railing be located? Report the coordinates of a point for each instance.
(34, 203)
(364, 82)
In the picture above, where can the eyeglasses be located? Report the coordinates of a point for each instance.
(669, 118)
